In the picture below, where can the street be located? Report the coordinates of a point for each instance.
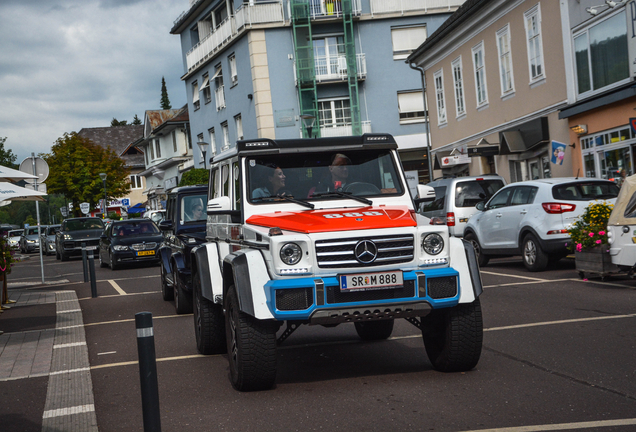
(558, 354)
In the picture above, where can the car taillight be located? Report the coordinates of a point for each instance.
(450, 219)
(558, 208)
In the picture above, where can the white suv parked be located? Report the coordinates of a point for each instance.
(531, 218)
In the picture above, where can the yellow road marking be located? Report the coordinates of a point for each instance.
(117, 287)
(562, 426)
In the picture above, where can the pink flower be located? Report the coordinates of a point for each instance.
(598, 242)
(601, 233)
(591, 234)
(579, 247)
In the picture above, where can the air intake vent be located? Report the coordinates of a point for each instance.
(294, 299)
(442, 287)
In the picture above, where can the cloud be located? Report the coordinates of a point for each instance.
(79, 63)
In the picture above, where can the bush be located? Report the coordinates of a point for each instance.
(195, 176)
(590, 229)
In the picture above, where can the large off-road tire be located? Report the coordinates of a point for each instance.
(167, 292)
(453, 337)
(481, 258)
(251, 347)
(374, 330)
(534, 258)
(209, 323)
(182, 299)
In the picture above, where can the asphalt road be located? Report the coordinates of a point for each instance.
(559, 354)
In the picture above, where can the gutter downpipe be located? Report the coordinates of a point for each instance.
(426, 119)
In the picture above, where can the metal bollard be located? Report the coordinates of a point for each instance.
(84, 263)
(148, 372)
(91, 268)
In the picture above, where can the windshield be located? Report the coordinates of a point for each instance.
(192, 208)
(31, 231)
(318, 176)
(16, 233)
(135, 228)
(585, 191)
(84, 224)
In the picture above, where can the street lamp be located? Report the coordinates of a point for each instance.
(103, 177)
(203, 146)
(308, 122)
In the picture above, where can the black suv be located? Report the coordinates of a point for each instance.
(74, 232)
(184, 228)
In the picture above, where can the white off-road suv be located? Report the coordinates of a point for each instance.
(324, 232)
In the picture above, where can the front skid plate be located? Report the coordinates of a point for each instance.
(369, 313)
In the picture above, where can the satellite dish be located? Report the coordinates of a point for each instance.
(41, 168)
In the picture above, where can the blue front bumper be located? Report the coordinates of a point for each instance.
(301, 298)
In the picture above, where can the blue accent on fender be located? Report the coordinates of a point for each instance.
(309, 282)
(200, 253)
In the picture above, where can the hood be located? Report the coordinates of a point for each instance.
(327, 220)
(134, 239)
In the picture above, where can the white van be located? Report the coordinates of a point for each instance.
(456, 198)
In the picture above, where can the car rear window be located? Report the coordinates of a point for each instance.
(438, 203)
(585, 191)
(469, 193)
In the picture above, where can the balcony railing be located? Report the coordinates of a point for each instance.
(402, 6)
(331, 8)
(335, 68)
(342, 130)
(245, 16)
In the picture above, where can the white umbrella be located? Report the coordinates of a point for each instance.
(10, 174)
(9, 191)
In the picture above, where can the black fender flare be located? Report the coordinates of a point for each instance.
(164, 255)
(237, 262)
(201, 268)
(473, 268)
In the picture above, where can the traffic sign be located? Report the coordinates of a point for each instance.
(41, 168)
(85, 207)
(64, 211)
(125, 201)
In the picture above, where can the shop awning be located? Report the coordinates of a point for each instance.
(524, 137)
(137, 208)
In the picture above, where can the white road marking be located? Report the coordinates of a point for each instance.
(538, 281)
(117, 287)
(106, 353)
(514, 276)
(562, 426)
(68, 411)
(68, 345)
(70, 371)
(132, 319)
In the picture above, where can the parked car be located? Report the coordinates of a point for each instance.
(621, 228)
(455, 200)
(13, 237)
(29, 240)
(531, 218)
(129, 241)
(182, 232)
(75, 231)
(155, 215)
(48, 239)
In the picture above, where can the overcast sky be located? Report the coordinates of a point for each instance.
(70, 64)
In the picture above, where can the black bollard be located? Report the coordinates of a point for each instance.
(84, 262)
(91, 268)
(148, 372)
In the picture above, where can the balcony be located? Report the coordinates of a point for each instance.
(379, 7)
(331, 8)
(244, 18)
(335, 68)
(342, 130)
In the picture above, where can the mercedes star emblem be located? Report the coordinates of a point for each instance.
(366, 251)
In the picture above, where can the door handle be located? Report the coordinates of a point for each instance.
(499, 215)
(524, 211)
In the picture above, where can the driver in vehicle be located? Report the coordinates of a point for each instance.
(339, 171)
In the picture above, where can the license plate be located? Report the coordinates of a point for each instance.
(143, 253)
(370, 281)
(91, 247)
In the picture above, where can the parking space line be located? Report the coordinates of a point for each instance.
(538, 281)
(563, 426)
(129, 363)
(117, 287)
(132, 319)
(514, 276)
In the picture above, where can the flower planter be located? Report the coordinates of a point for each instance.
(596, 260)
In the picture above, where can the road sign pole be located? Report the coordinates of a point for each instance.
(37, 211)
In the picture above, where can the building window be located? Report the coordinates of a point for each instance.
(535, 45)
(212, 141)
(195, 95)
(152, 150)
(226, 136)
(239, 127)
(439, 96)
(411, 107)
(480, 75)
(601, 54)
(205, 88)
(219, 90)
(157, 148)
(136, 182)
(174, 141)
(334, 113)
(329, 57)
(146, 158)
(200, 139)
(458, 85)
(505, 60)
(233, 70)
(406, 40)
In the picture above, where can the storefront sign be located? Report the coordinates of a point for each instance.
(558, 152)
(632, 123)
(491, 150)
(455, 160)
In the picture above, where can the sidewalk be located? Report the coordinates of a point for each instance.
(44, 336)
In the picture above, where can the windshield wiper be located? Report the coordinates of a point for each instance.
(343, 195)
(287, 198)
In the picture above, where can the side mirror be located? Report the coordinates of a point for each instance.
(222, 204)
(166, 225)
(481, 206)
(425, 192)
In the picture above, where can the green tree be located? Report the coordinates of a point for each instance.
(75, 164)
(31, 221)
(195, 176)
(165, 100)
(114, 122)
(136, 120)
(7, 158)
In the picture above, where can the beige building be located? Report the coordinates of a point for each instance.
(495, 81)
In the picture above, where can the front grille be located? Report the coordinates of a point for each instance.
(340, 253)
(334, 295)
(144, 246)
(78, 243)
(294, 299)
(442, 287)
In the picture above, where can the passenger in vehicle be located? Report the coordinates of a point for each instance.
(196, 210)
(275, 182)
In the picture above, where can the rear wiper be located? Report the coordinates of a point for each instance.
(287, 198)
(343, 195)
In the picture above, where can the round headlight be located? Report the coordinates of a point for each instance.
(433, 244)
(625, 229)
(291, 253)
